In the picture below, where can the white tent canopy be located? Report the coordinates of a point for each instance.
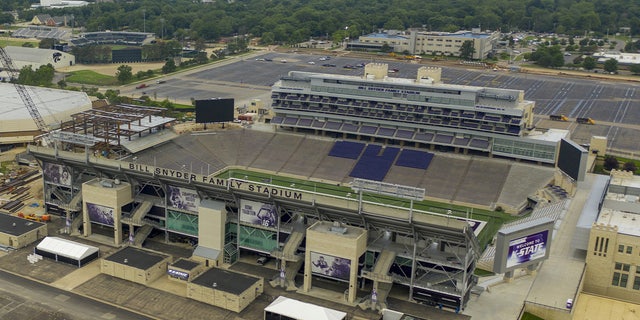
(66, 248)
(303, 311)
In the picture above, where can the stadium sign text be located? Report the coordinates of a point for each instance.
(230, 183)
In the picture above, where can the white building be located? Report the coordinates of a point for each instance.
(426, 42)
(36, 57)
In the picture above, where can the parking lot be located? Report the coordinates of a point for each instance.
(613, 105)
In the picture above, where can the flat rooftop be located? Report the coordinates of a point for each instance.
(185, 264)
(627, 223)
(16, 226)
(328, 227)
(137, 258)
(225, 280)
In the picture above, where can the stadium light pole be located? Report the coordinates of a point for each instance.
(144, 20)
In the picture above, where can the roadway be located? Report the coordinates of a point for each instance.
(23, 299)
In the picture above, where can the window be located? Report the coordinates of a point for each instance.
(629, 249)
(623, 266)
(619, 280)
(620, 248)
(636, 283)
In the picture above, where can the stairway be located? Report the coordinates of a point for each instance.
(141, 235)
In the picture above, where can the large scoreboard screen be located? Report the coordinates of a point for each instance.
(214, 110)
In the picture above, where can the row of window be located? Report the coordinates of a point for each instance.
(621, 276)
(625, 249)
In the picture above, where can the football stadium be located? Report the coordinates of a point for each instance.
(370, 182)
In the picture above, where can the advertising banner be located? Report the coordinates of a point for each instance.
(183, 198)
(258, 213)
(178, 274)
(100, 214)
(330, 266)
(56, 173)
(527, 248)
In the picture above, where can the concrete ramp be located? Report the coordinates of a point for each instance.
(139, 214)
(142, 210)
(290, 262)
(382, 282)
(141, 235)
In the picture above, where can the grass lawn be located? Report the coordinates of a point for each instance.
(90, 77)
(17, 42)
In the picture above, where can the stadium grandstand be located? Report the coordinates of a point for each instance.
(114, 37)
(422, 112)
(42, 32)
(369, 191)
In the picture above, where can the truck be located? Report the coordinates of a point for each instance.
(585, 121)
(558, 117)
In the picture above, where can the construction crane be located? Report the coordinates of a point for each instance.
(24, 95)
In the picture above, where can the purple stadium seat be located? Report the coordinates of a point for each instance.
(374, 163)
(414, 159)
(346, 149)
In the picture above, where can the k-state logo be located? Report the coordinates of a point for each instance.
(56, 56)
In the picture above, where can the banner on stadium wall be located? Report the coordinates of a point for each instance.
(329, 266)
(258, 213)
(56, 173)
(100, 214)
(183, 198)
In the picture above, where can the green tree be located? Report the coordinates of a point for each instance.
(169, 66)
(589, 63)
(44, 75)
(46, 43)
(634, 68)
(467, 50)
(386, 48)
(630, 166)
(611, 162)
(113, 96)
(611, 65)
(26, 75)
(394, 24)
(124, 74)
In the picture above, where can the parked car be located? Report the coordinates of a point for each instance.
(142, 86)
(328, 65)
(262, 260)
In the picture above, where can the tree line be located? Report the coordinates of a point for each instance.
(294, 21)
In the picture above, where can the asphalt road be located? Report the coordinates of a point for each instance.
(24, 299)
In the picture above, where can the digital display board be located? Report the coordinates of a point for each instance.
(214, 110)
(329, 266)
(100, 214)
(521, 245)
(258, 213)
(572, 159)
(527, 248)
(183, 198)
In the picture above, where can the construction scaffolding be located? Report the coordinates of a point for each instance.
(113, 126)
